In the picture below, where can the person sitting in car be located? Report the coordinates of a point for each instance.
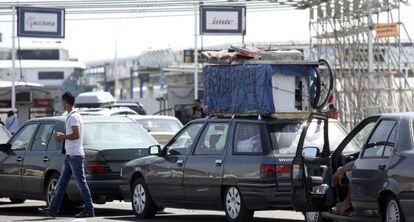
(249, 140)
(346, 169)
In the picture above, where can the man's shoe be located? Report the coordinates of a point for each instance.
(45, 212)
(86, 213)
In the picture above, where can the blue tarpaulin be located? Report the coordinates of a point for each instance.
(245, 88)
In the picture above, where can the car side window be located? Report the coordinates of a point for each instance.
(22, 140)
(213, 140)
(184, 141)
(357, 142)
(376, 143)
(391, 143)
(248, 138)
(42, 137)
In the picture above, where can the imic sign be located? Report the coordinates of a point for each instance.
(217, 21)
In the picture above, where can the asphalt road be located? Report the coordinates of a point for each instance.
(121, 211)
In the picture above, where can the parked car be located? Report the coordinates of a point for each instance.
(382, 175)
(162, 128)
(239, 165)
(134, 106)
(31, 161)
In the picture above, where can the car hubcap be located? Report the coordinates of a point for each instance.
(139, 198)
(393, 212)
(312, 216)
(233, 203)
(51, 190)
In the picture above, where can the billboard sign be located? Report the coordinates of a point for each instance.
(41, 22)
(223, 20)
(387, 30)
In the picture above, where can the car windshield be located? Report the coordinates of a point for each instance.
(160, 125)
(285, 136)
(116, 135)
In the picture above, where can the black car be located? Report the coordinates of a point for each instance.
(236, 164)
(382, 178)
(30, 163)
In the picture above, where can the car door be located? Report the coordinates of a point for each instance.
(166, 175)
(370, 169)
(203, 172)
(38, 158)
(311, 187)
(310, 172)
(12, 161)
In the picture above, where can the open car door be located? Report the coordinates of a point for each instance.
(311, 167)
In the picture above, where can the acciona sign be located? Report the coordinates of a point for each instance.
(41, 22)
(223, 20)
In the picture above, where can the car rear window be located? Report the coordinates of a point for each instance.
(285, 136)
(116, 135)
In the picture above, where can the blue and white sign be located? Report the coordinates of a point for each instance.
(230, 20)
(41, 22)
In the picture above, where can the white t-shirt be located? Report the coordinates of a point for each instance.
(74, 147)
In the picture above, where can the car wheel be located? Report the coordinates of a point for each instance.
(142, 204)
(393, 211)
(17, 201)
(235, 208)
(51, 188)
(314, 217)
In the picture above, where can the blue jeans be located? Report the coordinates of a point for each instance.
(72, 165)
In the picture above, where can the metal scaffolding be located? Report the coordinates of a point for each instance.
(363, 42)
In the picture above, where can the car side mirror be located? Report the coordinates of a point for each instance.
(5, 147)
(155, 150)
(310, 151)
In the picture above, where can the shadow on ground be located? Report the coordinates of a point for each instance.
(8, 209)
(192, 218)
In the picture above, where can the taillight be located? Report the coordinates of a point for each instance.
(283, 170)
(100, 168)
(273, 171)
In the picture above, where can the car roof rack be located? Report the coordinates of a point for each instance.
(259, 116)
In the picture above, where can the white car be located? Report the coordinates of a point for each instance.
(162, 128)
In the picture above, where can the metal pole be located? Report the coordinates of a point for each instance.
(195, 52)
(370, 40)
(131, 83)
(13, 58)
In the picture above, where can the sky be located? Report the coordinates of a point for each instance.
(96, 39)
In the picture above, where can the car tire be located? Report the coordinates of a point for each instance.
(50, 189)
(17, 200)
(314, 217)
(235, 208)
(392, 210)
(142, 203)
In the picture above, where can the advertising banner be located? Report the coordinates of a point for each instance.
(223, 20)
(41, 22)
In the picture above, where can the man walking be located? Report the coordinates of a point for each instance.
(74, 162)
(12, 122)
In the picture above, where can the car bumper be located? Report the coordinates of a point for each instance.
(265, 197)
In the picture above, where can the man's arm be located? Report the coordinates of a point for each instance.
(74, 135)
